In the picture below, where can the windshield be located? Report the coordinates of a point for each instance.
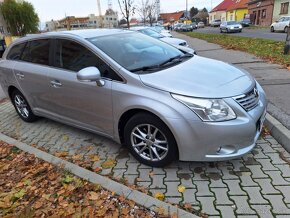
(150, 32)
(135, 50)
(232, 23)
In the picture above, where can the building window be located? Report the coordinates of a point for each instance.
(284, 8)
(264, 13)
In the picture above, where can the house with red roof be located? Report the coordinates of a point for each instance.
(172, 17)
(220, 11)
(238, 10)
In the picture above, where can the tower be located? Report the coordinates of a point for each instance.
(157, 2)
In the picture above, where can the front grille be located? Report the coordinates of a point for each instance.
(249, 100)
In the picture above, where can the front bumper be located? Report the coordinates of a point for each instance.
(219, 141)
(234, 30)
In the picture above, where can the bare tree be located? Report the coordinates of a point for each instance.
(127, 9)
(143, 10)
(152, 11)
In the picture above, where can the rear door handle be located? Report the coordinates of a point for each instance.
(20, 75)
(55, 83)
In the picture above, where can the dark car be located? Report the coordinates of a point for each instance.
(245, 22)
(193, 25)
(2, 47)
(186, 28)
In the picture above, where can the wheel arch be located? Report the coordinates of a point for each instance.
(130, 113)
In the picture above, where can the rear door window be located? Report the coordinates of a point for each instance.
(16, 52)
(37, 51)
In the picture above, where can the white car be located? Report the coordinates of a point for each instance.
(281, 25)
(162, 31)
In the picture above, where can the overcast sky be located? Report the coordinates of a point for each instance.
(57, 9)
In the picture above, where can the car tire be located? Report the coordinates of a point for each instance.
(272, 29)
(22, 107)
(221, 30)
(227, 30)
(240, 31)
(141, 134)
(285, 29)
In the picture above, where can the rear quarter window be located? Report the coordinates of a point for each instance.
(16, 52)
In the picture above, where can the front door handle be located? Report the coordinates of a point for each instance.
(20, 75)
(55, 83)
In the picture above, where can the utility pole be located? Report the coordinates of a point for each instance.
(186, 10)
(100, 13)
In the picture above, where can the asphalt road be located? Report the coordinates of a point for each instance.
(252, 33)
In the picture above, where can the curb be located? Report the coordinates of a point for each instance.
(278, 131)
(120, 189)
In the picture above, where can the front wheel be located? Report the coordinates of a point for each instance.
(286, 29)
(272, 29)
(150, 141)
(22, 107)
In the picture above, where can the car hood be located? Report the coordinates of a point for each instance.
(201, 77)
(172, 41)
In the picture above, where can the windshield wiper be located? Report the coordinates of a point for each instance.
(158, 66)
(145, 68)
(177, 58)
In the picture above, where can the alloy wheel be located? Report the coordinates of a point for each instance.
(21, 106)
(149, 142)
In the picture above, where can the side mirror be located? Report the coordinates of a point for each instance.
(90, 74)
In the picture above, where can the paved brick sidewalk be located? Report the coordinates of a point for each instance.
(257, 185)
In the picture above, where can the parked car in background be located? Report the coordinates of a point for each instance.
(281, 25)
(245, 22)
(230, 26)
(216, 23)
(162, 103)
(186, 28)
(170, 40)
(200, 25)
(177, 26)
(193, 25)
(162, 31)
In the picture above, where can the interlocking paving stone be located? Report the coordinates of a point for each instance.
(226, 211)
(234, 187)
(267, 186)
(203, 188)
(221, 195)
(263, 210)
(285, 191)
(208, 205)
(242, 205)
(278, 205)
(254, 185)
(255, 195)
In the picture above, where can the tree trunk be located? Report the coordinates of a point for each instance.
(287, 43)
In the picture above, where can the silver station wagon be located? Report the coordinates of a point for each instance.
(162, 103)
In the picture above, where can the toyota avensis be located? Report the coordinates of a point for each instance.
(162, 103)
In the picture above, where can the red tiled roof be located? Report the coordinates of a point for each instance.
(168, 17)
(238, 4)
(223, 6)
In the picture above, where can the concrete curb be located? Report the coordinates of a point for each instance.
(278, 131)
(139, 197)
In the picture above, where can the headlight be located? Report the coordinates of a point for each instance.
(208, 109)
(231, 27)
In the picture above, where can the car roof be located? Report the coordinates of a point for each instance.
(139, 28)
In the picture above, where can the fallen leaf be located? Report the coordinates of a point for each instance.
(93, 196)
(65, 137)
(98, 169)
(110, 163)
(61, 153)
(159, 196)
(187, 206)
(94, 158)
(181, 188)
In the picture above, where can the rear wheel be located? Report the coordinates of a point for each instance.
(150, 141)
(272, 29)
(286, 29)
(22, 107)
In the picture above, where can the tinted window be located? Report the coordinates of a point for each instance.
(75, 57)
(15, 52)
(37, 51)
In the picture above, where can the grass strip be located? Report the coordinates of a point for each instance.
(266, 49)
